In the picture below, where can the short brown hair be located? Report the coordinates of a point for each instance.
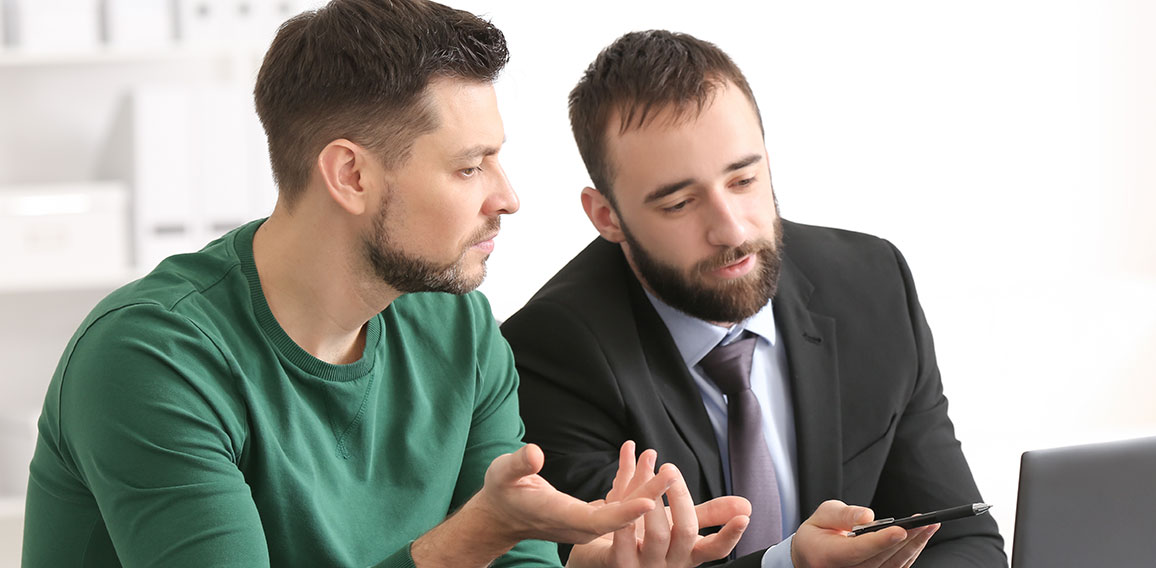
(641, 75)
(359, 69)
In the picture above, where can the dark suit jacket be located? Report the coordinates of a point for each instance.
(598, 367)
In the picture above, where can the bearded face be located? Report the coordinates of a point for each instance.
(695, 293)
(406, 272)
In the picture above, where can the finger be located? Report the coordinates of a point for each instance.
(625, 471)
(614, 516)
(720, 510)
(905, 547)
(683, 521)
(906, 553)
(624, 548)
(878, 545)
(838, 516)
(508, 468)
(909, 553)
(654, 485)
(528, 460)
(656, 538)
(656, 533)
(720, 544)
(848, 516)
(643, 472)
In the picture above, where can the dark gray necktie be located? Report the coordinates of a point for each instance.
(752, 472)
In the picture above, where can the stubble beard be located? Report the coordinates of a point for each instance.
(407, 273)
(722, 302)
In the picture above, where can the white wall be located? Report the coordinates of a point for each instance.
(1001, 145)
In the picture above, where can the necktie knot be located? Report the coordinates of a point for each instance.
(729, 366)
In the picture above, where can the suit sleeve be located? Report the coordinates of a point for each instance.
(926, 468)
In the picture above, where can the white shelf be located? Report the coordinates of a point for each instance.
(43, 283)
(11, 506)
(11, 530)
(13, 58)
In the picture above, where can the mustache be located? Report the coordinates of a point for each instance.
(492, 226)
(732, 255)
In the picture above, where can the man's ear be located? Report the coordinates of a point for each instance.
(343, 167)
(602, 215)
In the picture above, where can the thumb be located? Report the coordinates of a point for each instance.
(836, 515)
(508, 468)
(528, 460)
(855, 515)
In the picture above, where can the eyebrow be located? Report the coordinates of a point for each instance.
(667, 189)
(479, 150)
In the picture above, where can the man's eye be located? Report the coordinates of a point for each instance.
(470, 172)
(676, 207)
(745, 182)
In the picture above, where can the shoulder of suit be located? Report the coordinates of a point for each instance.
(594, 284)
(599, 266)
(809, 244)
(841, 262)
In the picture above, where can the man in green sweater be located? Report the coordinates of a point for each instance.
(322, 388)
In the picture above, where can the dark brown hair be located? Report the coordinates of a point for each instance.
(359, 69)
(642, 75)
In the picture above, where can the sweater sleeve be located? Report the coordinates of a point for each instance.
(146, 424)
(496, 427)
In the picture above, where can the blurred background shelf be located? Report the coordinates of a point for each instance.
(12, 60)
(77, 284)
(11, 527)
(127, 133)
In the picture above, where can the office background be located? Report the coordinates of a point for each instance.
(1006, 147)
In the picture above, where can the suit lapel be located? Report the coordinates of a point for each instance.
(676, 387)
(812, 359)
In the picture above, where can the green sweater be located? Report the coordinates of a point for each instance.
(183, 427)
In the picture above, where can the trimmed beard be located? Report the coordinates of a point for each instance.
(407, 273)
(726, 302)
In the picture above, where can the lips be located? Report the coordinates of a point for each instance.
(738, 268)
(486, 245)
(741, 260)
(484, 237)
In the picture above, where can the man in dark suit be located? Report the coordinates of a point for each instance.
(693, 254)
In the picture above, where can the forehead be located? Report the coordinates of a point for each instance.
(674, 146)
(466, 115)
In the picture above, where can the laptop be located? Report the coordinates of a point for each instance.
(1087, 506)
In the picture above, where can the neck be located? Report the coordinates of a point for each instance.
(314, 283)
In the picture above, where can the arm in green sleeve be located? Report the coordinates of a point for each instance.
(150, 428)
(496, 429)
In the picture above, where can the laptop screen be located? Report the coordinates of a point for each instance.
(1087, 506)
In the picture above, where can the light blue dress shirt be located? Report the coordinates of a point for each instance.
(694, 339)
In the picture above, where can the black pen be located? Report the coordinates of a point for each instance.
(913, 521)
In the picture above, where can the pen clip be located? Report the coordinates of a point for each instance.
(874, 523)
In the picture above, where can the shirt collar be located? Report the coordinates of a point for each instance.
(695, 337)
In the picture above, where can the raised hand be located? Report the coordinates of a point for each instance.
(515, 495)
(665, 536)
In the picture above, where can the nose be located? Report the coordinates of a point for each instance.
(502, 199)
(725, 225)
